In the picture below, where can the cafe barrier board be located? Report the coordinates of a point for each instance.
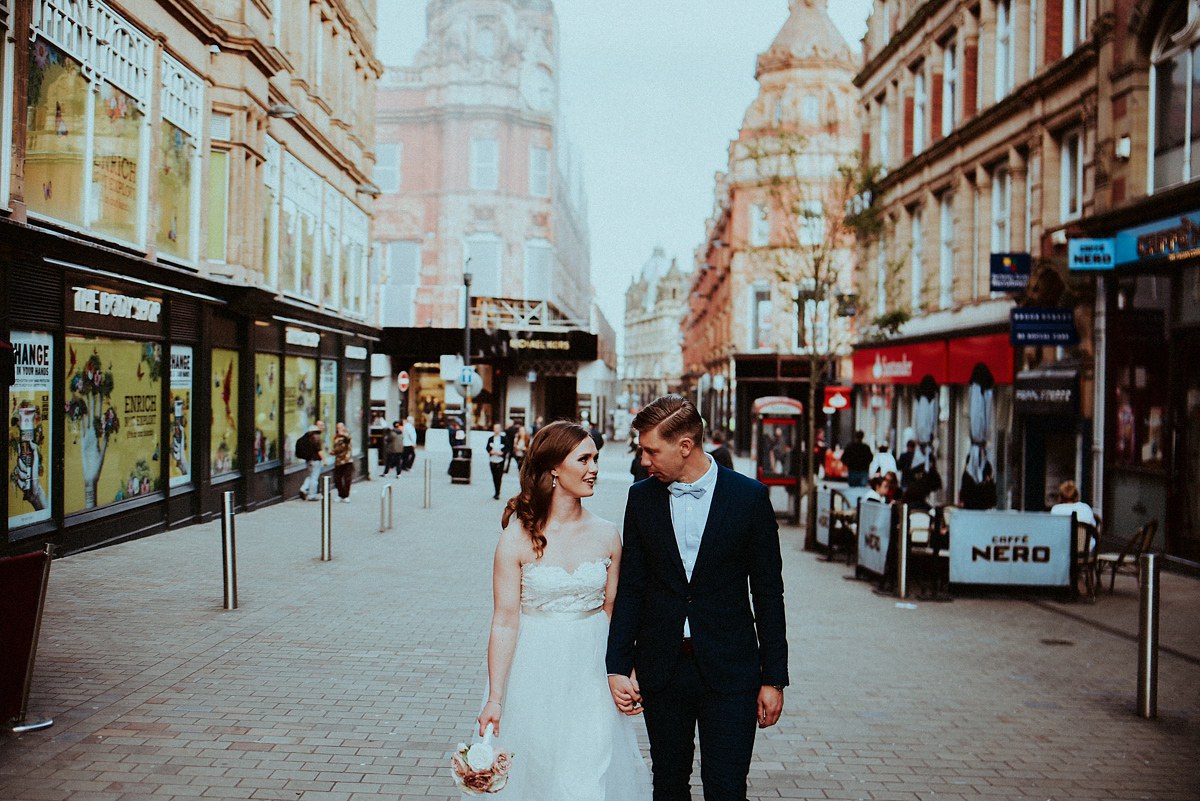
(1030, 548)
(874, 532)
(824, 503)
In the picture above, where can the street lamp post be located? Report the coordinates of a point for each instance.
(467, 352)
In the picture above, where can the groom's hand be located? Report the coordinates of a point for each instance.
(626, 694)
(770, 706)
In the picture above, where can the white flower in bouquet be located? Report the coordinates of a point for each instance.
(480, 756)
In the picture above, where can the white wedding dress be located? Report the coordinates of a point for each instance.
(569, 741)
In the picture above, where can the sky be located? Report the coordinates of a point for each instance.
(650, 94)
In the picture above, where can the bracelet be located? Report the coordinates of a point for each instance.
(497, 703)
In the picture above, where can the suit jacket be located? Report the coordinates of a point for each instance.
(738, 647)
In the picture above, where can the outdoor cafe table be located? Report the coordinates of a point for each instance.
(992, 547)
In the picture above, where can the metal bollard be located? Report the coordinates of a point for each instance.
(1147, 685)
(428, 484)
(902, 556)
(385, 496)
(229, 552)
(326, 519)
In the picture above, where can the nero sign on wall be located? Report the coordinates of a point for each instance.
(874, 532)
(1031, 548)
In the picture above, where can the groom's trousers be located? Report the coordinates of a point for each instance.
(727, 724)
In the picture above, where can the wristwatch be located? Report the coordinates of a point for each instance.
(778, 687)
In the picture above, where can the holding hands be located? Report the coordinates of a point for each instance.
(626, 694)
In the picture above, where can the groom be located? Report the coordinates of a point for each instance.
(685, 644)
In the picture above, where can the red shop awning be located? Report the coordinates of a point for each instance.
(993, 350)
(901, 364)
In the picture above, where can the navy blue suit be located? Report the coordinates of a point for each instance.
(734, 605)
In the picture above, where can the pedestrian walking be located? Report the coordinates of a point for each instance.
(719, 452)
(394, 450)
(697, 643)
(343, 462)
(510, 439)
(520, 446)
(495, 452)
(310, 448)
(408, 441)
(857, 458)
(883, 462)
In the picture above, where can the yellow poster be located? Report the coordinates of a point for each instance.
(113, 393)
(176, 154)
(223, 438)
(329, 409)
(56, 137)
(300, 402)
(180, 413)
(266, 408)
(29, 429)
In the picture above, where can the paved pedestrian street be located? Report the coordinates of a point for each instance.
(353, 679)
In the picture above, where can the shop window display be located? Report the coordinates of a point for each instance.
(112, 449)
(180, 412)
(266, 407)
(119, 124)
(29, 431)
(223, 429)
(328, 397)
(56, 134)
(300, 398)
(177, 152)
(354, 411)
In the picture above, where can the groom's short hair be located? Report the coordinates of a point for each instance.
(674, 417)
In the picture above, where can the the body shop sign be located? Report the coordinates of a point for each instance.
(1030, 548)
(901, 364)
(99, 307)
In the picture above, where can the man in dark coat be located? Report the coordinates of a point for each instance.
(857, 458)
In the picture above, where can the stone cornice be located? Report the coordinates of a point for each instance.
(899, 39)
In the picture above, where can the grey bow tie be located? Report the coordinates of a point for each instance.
(679, 490)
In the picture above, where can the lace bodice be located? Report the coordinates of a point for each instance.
(550, 588)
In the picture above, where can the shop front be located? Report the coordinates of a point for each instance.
(952, 399)
(1152, 387)
(141, 398)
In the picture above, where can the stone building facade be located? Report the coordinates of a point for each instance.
(476, 180)
(183, 254)
(743, 335)
(655, 304)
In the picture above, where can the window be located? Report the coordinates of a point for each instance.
(387, 166)
(179, 161)
(1074, 25)
(761, 333)
(885, 131)
(355, 229)
(482, 261)
(539, 171)
(218, 203)
(485, 164)
(920, 101)
(881, 276)
(810, 109)
(485, 43)
(1175, 98)
(946, 252)
(1033, 37)
(272, 178)
(1071, 176)
(539, 268)
(760, 226)
(88, 127)
(1001, 206)
(949, 87)
(810, 228)
(1004, 49)
(916, 263)
(403, 277)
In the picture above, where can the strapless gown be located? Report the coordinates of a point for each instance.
(570, 743)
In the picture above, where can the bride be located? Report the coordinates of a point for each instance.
(554, 581)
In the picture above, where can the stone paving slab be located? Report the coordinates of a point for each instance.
(353, 679)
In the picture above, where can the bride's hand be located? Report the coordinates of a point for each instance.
(490, 716)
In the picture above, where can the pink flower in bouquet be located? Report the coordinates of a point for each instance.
(480, 769)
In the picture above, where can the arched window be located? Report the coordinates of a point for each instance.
(1175, 98)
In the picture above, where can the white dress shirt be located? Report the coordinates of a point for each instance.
(689, 515)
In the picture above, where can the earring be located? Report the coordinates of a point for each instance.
(554, 483)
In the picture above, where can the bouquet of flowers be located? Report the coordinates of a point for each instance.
(480, 768)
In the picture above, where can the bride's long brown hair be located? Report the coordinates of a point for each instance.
(551, 445)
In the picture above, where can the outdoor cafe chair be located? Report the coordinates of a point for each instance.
(928, 563)
(1085, 558)
(1127, 560)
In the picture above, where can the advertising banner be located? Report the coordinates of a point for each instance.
(901, 364)
(29, 429)
(990, 547)
(300, 402)
(266, 407)
(1091, 254)
(181, 415)
(328, 394)
(1010, 271)
(354, 411)
(223, 440)
(1042, 326)
(874, 533)
(112, 446)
